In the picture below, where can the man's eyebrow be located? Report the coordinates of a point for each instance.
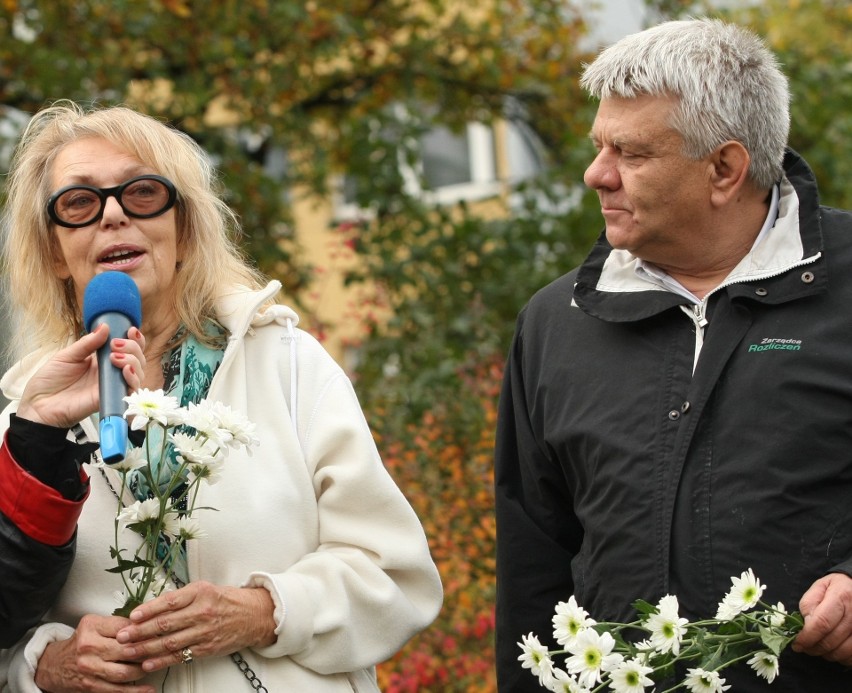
(639, 146)
(618, 141)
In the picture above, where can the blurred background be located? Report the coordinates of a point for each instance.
(411, 170)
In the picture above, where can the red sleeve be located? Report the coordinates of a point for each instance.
(38, 510)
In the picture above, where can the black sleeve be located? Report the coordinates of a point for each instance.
(537, 532)
(46, 453)
(31, 575)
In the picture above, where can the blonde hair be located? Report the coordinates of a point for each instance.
(46, 309)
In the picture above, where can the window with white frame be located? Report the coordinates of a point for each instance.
(457, 165)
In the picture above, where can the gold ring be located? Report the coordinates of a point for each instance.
(186, 655)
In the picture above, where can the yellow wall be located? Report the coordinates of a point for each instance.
(330, 307)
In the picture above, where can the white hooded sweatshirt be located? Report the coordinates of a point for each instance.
(310, 514)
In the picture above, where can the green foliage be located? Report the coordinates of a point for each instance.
(251, 78)
(457, 281)
(813, 41)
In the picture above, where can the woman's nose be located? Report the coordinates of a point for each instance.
(114, 214)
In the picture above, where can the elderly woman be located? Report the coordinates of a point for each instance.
(315, 567)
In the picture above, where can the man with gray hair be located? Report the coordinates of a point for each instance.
(678, 409)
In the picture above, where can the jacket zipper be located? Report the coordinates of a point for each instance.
(697, 311)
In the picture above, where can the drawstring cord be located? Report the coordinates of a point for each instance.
(293, 376)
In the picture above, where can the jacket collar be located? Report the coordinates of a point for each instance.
(609, 288)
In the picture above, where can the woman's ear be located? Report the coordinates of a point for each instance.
(60, 267)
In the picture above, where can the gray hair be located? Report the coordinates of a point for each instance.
(728, 83)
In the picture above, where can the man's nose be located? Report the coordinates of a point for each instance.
(602, 172)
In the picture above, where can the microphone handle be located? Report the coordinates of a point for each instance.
(111, 383)
(112, 390)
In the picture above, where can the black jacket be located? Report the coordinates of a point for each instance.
(31, 575)
(38, 465)
(620, 474)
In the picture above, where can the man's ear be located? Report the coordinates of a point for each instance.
(730, 171)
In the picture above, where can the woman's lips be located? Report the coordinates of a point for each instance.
(121, 258)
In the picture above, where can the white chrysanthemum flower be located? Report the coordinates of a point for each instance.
(134, 459)
(536, 658)
(184, 527)
(210, 472)
(745, 592)
(726, 611)
(236, 427)
(631, 676)
(666, 628)
(149, 509)
(765, 664)
(140, 511)
(590, 655)
(563, 682)
(700, 681)
(570, 620)
(778, 615)
(204, 418)
(146, 405)
(644, 646)
(196, 449)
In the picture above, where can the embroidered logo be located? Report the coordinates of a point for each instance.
(774, 344)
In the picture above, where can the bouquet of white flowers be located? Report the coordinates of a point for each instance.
(598, 655)
(201, 436)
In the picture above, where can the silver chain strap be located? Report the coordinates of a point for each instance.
(243, 666)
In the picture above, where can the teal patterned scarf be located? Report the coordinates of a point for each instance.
(188, 370)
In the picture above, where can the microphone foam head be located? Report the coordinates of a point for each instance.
(111, 292)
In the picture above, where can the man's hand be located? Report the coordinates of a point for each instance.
(827, 608)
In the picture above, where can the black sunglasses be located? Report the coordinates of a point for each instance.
(142, 197)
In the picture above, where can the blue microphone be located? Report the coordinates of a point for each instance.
(112, 298)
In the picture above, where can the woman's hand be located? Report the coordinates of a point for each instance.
(90, 661)
(210, 620)
(65, 389)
